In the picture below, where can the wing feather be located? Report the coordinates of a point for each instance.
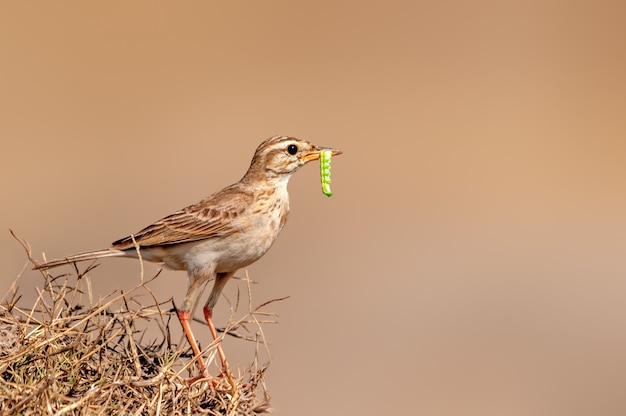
(212, 217)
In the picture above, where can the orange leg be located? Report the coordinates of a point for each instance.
(185, 318)
(208, 314)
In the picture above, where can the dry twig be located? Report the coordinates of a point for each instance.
(69, 355)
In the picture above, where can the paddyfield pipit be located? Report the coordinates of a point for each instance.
(222, 233)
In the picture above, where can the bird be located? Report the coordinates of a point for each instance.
(221, 233)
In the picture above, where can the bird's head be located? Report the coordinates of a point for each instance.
(281, 156)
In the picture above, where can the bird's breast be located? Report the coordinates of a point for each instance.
(268, 218)
(255, 231)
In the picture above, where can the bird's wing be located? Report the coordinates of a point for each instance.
(209, 218)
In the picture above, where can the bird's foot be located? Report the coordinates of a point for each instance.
(224, 380)
(204, 375)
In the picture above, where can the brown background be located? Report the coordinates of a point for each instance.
(472, 260)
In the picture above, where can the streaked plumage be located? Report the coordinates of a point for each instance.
(222, 233)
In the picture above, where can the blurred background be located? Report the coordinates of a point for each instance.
(472, 260)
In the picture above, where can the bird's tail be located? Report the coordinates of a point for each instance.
(90, 255)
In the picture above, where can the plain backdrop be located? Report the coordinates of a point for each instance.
(472, 260)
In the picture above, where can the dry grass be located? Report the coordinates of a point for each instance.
(70, 353)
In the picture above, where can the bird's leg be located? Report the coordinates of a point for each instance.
(185, 318)
(197, 278)
(220, 282)
(208, 314)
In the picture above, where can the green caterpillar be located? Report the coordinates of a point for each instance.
(325, 156)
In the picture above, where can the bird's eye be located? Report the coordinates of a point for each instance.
(292, 149)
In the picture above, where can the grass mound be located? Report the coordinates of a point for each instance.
(72, 354)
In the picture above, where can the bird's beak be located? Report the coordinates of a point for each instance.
(315, 154)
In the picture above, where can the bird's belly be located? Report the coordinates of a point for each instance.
(236, 251)
(226, 256)
(227, 253)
